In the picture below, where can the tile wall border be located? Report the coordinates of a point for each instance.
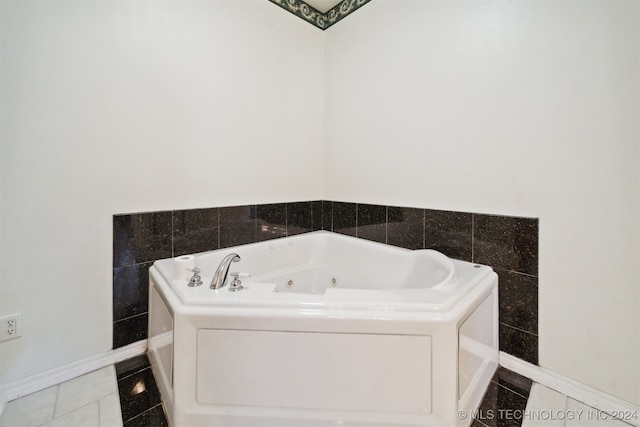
(318, 19)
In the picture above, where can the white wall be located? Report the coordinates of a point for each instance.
(513, 108)
(526, 108)
(120, 106)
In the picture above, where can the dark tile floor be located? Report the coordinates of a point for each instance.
(139, 396)
(505, 399)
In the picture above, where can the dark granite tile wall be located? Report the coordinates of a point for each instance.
(141, 238)
(372, 222)
(138, 240)
(450, 233)
(271, 221)
(129, 293)
(300, 218)
(237, 225)
(344, 218)
(508, 244)
(327, 215)
(195, 230)
(405, 227)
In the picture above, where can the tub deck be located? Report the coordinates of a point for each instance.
(312, 263)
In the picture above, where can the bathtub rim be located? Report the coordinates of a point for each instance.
(364, 316)
(261, 295)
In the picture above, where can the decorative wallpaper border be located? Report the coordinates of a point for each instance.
(343, 9)
(317, 18)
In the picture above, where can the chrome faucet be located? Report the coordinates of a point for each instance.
(220, 278)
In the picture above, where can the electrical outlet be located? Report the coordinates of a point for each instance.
(10, 327)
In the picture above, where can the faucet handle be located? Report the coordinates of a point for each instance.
(236, 284)
(195, 280)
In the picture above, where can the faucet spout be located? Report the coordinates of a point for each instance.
(220, 277)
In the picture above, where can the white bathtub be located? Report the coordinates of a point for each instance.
(329, 330)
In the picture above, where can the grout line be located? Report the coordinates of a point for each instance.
(483, 424)
(515, 272)
(133, 373)
(255, 223)
(511, 390)
(357, 219)
(473, 237)
(130, 317)
(55, 405)
(424, 229)
(331, 216)
(386, 225)
(97, 402)
(173, 249)
(142, 413)
(135, 264)
(518, 329)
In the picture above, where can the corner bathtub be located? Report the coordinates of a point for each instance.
(329, 330)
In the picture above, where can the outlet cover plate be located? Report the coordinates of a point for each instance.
(10, 327)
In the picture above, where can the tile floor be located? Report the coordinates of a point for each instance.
(139, 396)
(89, 400)
(548, 408)
(125, 395)
(515, 401)
(507, 394)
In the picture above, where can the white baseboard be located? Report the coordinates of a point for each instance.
(34, 383)
(574, 389)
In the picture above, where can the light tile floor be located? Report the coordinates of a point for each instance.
(548, 408)
(91, 400)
